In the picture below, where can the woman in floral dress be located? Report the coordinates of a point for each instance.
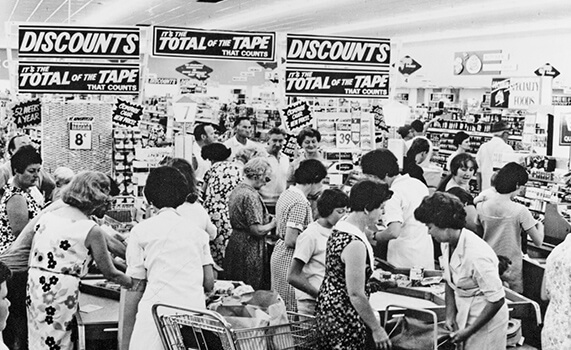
(343, 311)
(222, 177)
(65, 242)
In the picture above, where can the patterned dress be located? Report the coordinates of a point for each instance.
(219, 182)
(247, 257)
(292, 210)
(556, 333)
(6, 236)
(338, 323)
(58, 259)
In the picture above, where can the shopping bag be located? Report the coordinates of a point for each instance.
(408, 333)
(246, 317)
(274, 306)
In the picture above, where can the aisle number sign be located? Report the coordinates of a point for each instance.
(80, 129)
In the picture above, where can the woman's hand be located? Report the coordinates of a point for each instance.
(450, 324)
(381, 339)
(459, 337)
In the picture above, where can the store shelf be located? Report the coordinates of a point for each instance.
(472, 133)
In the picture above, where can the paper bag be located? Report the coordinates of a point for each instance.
(246, 317)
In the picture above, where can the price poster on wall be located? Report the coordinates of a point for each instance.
(80, 129)
(344, 134)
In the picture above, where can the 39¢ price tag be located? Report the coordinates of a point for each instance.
(343, 139)
(80, 135)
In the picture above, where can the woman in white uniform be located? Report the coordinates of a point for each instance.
(476, 311)
(170, 252)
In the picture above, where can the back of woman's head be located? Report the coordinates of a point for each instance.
(215, 152)
(166, 187)
(368, 195)
(87, 191)
(310, 171)
(464, 196)
(510, 177)
(256, 168)
(462, 160)
(419, 145)
(24, 156)
(244, 155)
(380, 163)
(187, 171)
(459, 138)
(443, 210)
(331, 199)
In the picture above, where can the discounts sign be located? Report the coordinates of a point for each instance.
(78, 42)
(126, 113)
(338, 50)
(78, 78)
(337, 83)
(227, 45)
(27, 113)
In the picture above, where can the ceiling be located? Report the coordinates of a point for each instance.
(401, 20)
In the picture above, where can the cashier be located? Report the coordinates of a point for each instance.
(476, 311)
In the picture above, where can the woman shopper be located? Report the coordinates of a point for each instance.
(462, 170)
(219, 181)
(476, 311)
(343, 313)
(293, 215)
(415, 155)
(247, 257)
(65, 242)
(504, 221)
(167, 256)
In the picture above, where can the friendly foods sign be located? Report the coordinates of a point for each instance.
(78, 42)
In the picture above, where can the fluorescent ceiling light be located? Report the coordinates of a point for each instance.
(277, 9)
(121, 10)
(454, 12)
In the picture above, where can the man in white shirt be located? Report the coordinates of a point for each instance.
(491, 153)
(204, 134)
(280, 165)
(242, 135)
(409, 244)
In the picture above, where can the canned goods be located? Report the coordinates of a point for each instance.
(416, 275)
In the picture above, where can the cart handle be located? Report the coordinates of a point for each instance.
(429, 312)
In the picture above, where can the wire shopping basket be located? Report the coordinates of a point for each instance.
(183, 329)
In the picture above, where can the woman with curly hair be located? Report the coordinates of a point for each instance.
(66, 240)
(247, 257)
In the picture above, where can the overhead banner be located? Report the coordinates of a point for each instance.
(127, 113)
(338, 50)
(27, 113)
(78, 78)
(213, 44)
(337, 83)
(517, 93)
(78, 42)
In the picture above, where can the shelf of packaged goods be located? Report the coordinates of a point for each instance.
(544, 180)
(472, 133)
(449, 151)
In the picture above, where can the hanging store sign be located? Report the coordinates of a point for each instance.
(560, 100)
(488, 62)
(127, 113)
(78, 78)
(27, 113)
(547, 70)
(337, 83)
(516, 93)
(297, 116)
(80, 129)
(565, 139)
(338, 50)
(78, 42)
(195, 70)
(408, 65)
(163, 81)
(225, 45)
(290, 145)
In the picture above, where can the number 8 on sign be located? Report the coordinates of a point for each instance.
(79, 139)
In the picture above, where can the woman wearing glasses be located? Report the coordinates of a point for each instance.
(293, 214)
(247, 256)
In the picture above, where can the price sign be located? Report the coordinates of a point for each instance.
(80, 135)
(343, 135)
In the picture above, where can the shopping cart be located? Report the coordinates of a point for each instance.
(183, 329)
(414, 328)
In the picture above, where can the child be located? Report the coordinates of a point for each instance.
(307, 269)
